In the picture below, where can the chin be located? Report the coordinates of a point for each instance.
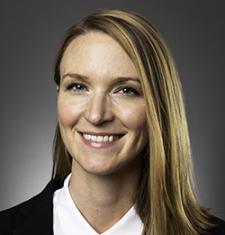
(99, 169)
(107, 168)
(96, 167)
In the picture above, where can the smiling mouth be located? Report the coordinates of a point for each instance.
(100, 141)
(100, 138)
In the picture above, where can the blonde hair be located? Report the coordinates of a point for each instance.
(165, 200)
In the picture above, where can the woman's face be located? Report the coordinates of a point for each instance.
(101, 108)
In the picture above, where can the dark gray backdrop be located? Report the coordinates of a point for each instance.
(30, 33)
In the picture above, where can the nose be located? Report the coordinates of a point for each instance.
(99, 110)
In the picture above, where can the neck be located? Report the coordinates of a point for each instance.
(103, 199)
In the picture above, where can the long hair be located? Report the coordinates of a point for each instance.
(166, 201)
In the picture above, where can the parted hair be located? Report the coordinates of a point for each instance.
(166, 199)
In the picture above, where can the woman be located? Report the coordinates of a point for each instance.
(122, 161)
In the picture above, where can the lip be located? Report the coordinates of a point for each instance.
(99, 145)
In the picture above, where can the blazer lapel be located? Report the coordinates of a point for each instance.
(41, 222)
(36, 215)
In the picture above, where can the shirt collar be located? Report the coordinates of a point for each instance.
(68, 218)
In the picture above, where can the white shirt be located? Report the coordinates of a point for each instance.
(67, 219)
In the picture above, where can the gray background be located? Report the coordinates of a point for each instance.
(30, 33)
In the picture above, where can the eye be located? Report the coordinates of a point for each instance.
(129, 91)
(76, 87)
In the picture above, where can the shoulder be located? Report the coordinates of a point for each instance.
(218, 229)
(12, 218)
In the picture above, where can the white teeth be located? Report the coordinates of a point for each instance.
(87, 137)
(93, 138)
(99, 138)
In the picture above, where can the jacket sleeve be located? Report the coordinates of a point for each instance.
(7, 220)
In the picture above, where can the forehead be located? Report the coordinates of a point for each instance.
(98, 54)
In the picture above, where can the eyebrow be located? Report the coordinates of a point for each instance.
(85, 78)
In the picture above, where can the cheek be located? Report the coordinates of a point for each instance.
(134, 116)
(67, 114)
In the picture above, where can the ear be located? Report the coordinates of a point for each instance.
(57, 89)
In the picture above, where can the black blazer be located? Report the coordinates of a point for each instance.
(35, 216)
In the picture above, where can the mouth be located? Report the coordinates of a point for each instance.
(100, 140)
